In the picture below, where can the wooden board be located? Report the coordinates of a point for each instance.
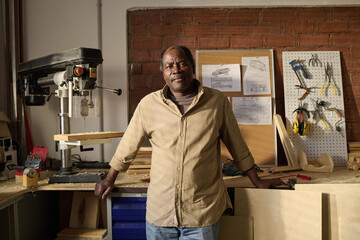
(260, 139)
(281, 214)
(341, 202)
(285, 140)
(87, 136)
(85, 210)
(83, 233)
(236, 227)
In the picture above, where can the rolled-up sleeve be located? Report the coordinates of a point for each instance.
(233, 140)
(130, 142)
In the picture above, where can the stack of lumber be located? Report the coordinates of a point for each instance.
(142, 162)
(354, 147)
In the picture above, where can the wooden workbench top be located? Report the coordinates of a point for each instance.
(10, 189)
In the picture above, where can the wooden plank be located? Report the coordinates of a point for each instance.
(285, 140)
(85, 210)
(236, 227)
(354, 144)
(138, 171)
(281, 214)
(136, 166)
(87, 136)
(283, 169)
(341, 201)
(83, 233)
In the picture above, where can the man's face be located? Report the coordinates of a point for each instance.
(178, 72)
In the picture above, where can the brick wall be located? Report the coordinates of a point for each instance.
(281, 29)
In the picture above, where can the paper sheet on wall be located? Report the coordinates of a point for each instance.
(256, 75)
(252, 110)
(225, 78)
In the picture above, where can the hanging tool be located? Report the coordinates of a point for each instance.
(337, 124)
(317, 113)
(296, 65)
(314, 60)
(306, 91)
(328, 76)
(300, 125)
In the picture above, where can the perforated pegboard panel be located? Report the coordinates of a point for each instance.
(317, 139)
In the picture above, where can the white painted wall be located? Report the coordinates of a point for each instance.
(51, 26)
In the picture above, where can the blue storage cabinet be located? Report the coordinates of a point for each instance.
(126, 216)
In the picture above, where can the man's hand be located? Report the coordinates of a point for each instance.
(103, 188)
(269, 183)
(262, 183)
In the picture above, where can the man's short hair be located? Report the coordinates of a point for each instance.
(186, 51)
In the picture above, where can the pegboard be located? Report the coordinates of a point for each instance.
(317, 139)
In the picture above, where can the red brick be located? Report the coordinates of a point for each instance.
(346, 39)
(332, 27)
(146, 43)
(312, 14)
(352, 130)
(198, 30)
(164, 30)
(265, 28)
(298, 27)
(244, 15)
(346, 13)
(157, 82)
(138, 94)
(246, 42)
(232, 29)
(175, 17)
(345, 51)
(352, 64)
(207, 15)
(278, 14)
(188, 42)
(280, 41)
(355, 51)
(355, 26)
(144, 17)
(355, 79)
(150, 68)
(154, 55)
(314, 40)
(140, 56)
(139, 81)
(213, 42)
(138, 31)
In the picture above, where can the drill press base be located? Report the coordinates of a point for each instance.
(85, 177)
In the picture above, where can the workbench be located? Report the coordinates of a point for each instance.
(11, 192)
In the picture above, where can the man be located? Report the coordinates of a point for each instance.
(184, 123)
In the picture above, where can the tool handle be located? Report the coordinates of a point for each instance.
(337, 112)
(304, 73)
(303, 177)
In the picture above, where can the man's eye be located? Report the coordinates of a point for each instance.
(183, 64)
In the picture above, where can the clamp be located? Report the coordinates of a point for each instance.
(328, 76)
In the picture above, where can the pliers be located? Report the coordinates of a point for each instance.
(314, 60)
(328, 75)
(317, 112)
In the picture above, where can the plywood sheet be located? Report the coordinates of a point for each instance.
(281, 214)
(341, 201)
(87, 136)
(236, 227)
(85, 210)
(82, 233)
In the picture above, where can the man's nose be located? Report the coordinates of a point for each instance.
(176, 68)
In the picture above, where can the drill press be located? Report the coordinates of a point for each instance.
(74, 72)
